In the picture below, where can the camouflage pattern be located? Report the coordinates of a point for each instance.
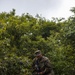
(44, 66)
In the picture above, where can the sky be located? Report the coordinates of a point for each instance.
(45, 8)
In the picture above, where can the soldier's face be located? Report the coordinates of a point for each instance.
(39, 56)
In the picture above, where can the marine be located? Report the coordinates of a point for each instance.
(41, 65)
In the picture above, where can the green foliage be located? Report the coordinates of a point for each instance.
(21, 35)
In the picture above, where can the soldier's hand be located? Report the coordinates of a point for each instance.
(40, 73)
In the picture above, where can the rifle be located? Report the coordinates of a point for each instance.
(37, 67)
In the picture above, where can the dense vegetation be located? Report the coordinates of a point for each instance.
(21, 35)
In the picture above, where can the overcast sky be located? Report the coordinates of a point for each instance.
(45, 8)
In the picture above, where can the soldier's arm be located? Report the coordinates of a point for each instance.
(33, 67)
(48, 66)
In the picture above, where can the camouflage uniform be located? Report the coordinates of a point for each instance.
(44, 66)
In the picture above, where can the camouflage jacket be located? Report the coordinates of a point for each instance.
(42, 65)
